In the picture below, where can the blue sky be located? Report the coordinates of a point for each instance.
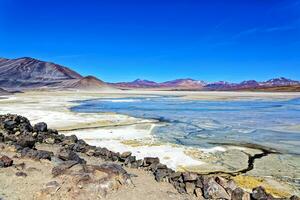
(121, 40)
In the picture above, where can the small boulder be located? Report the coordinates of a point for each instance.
(70, 140)
(259, 193)
(126, 154)
(41, 127)
(10, 124)
(62, 167)
(49, 140)
(294, 197)
(26, 141)
(212, 190)
(189, 187)
(188, 176)
(5, 162)
(21, 174)
(36, 154)
(150, 160)
(239, 194)
(199, 193)
(66, 154)
(52, 187)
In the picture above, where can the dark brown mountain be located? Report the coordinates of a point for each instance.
(28, 72)
(138, 83)
(4, 92)
(85, 83)
(184, 84)
(283, 84)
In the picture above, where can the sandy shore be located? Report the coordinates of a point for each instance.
(122, 133)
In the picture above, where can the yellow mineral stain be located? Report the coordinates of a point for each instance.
(139, 143)
(250, 182)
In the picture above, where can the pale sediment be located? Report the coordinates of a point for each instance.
(122, 133)
(74, 178)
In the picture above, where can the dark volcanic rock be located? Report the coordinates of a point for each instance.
(26, 141)
(40, 127)
(187, 176)
(21, 174)
(14, 123)
(66, 154)
(239, 194)
(212, 190)
(294, 197)
(62, 167)
(36, 154)
(259, 193)
(5, 161)
(150, 160)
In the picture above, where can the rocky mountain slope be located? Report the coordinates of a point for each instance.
(4, 92)
(85, 83)
(28, 73)
(174, 84)
(282, 84)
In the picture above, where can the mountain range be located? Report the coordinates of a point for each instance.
(29, 73)
(191, 84)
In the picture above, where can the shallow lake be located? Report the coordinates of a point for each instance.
(273, 124)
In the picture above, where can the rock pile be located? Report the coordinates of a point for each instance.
(97, 180)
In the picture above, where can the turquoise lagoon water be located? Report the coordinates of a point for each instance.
(273, 124)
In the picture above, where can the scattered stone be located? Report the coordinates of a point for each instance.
(26, 141)
(69, 140)
(126, 154)
(62, 167)
(86, 182)
(90, 152)
(294, 197)
(231, 185)
(66, 154)
(5, 162)
(36, 154)
(40, 127)
(49, 140)
(187, 176)
(160, 175)
(20, 166)
(17, 133)
(199, 183)
(259, 193)
(212, 190)
(21, 174)
(222, 181)
(239, 194)
(150, 160)
(190, 187)
(52, 187)
(198, 192)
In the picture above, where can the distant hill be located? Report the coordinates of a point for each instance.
(4, 92)
(86, 83)
(276, 84)
(184, 84)
(30, 73)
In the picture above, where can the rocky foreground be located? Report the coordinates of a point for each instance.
(69, 168)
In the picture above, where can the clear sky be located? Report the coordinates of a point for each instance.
(121, 40)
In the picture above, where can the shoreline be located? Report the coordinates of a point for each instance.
(41, 137)
(61, 110)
